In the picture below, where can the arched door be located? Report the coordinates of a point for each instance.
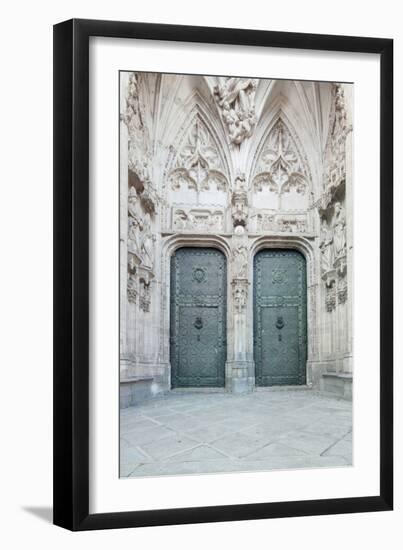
(198, 318)
(280, 317)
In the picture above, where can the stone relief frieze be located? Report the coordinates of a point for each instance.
(236, 99)
(198, 164)
(199, 220)
(271, 220)
(279, 167)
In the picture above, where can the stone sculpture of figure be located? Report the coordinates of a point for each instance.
(240, 257)
(236, 98)
(180, 219)
(147, 244)
(191, 221)
(240, 184)
(339, 231)
(239, 298)
(135, 224)
(216, 221)
(326, 247)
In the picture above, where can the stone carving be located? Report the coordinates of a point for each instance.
(139, 144)
(291, 225)
(236, 98)
(330, 296)
(132, 289)
(198, 220)
(240, 261)
(326, 247)
(333, 248)
(145, 297)
(141, 241)
(339, 231)
(147, 243)
(198, 164)
(240, 202)
(273, 221)
(342, 291)
(240, 293)
(279, 166)
(132, 284)
(149, 198)
(135, 223)
(335, 152)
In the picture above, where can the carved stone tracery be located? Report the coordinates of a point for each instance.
(279, 166)
(198, 164)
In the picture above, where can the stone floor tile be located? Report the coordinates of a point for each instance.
(340, 448)
(275, 449)
(141, 437)
(309, 443)
(203, 452)
(192, 433)
(132, 454)
(166, 447)
(238, 444)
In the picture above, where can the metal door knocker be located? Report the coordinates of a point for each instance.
(280, 324)
(198, 324)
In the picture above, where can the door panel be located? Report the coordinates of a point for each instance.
(280, 317)
(198, 318)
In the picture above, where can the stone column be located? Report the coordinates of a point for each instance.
(240, 371)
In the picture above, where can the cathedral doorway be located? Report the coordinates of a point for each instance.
(280, 326)
(198, 318)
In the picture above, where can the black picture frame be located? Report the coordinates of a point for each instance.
(71, 274)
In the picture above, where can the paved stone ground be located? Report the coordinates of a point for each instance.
(191, 433)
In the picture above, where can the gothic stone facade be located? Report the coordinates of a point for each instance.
(237, 165)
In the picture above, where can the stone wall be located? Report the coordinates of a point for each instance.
(241, 165)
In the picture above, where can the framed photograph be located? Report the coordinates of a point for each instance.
(223, 271)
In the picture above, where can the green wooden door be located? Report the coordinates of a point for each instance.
(280, 317)
(198, 318)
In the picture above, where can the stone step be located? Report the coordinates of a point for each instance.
(340, 384)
